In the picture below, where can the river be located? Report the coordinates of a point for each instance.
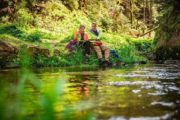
(132, 92)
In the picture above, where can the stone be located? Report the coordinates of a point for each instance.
(166, 53)
(35, 50)
(7, 48)
(44, 52)
(7, 53)
(172, 62)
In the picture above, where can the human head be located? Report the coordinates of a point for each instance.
(93, 25)
(82, 28)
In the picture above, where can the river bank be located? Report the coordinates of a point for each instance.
(51, 53)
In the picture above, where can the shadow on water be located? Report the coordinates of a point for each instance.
(133, 92)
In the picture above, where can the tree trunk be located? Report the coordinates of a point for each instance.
(144, 13)
(131, 12)
(150, 15)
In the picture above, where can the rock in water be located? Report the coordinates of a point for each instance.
(172, 62)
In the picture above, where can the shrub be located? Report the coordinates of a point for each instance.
(12, 30)
(34, 37)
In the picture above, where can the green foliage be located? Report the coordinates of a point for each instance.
(128, 54)
(76, 58)
(24, 58)
(54, 61)
(35, 36)
(144, 45)
(12, 30)
(24, 17)
(8, 37)
(129, 49)
(30, 35)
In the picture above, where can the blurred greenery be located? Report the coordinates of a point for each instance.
(45, 104)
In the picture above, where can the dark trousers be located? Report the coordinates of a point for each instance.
(85, 45)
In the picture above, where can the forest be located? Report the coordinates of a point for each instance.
(40, 78)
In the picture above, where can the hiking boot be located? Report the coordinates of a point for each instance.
(87, 55)
(108, 63)
(105, 64)
(101, 60)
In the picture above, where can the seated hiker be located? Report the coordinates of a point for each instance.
(81, 39)
(99, 47)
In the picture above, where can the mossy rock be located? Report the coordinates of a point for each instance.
(35, 50)
(7, 53)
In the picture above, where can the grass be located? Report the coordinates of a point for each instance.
(25, 34)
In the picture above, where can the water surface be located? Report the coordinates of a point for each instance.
(126, 93)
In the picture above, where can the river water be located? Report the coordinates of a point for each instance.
(134, 92)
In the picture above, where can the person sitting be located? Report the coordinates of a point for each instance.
(99, 47)
(80, 39)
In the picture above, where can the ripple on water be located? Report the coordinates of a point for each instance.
(165, 104)
(123, 83)
(161, 88)
(157, 75)
(157, 93)
(136, 91)
(158, 72)
(163, 117)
